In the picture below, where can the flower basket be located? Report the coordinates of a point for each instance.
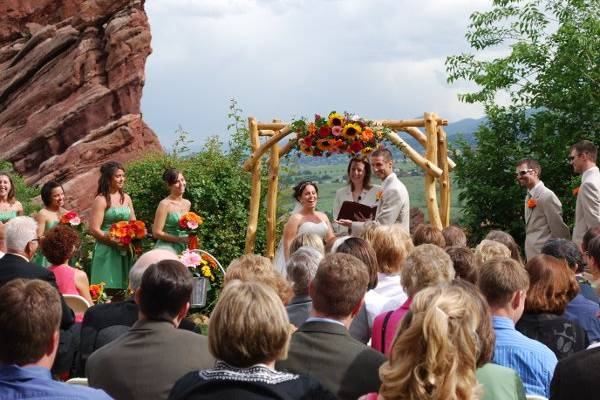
(208, 276)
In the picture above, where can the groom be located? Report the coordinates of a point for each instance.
(392, 203)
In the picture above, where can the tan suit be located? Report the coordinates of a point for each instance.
(544, 221)
(393, 207)
(587, 210)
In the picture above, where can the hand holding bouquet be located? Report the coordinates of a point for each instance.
(190, 222)
(128, 234)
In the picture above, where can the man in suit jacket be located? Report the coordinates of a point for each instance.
(543, 210)
(576, 377)
(393, 205)
(322, 346)
(587, 210)
(145, 362)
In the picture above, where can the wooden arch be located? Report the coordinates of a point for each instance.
(435, 163)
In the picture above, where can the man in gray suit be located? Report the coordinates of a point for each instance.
(587, 211)
(543, 210)
(393, 205)
(322, 346)
(146, 361)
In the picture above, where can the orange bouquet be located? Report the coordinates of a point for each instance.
(128, 234)
(190, 222)
(98, 294)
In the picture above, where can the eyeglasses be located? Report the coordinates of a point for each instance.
(571, 158)
(523, 173)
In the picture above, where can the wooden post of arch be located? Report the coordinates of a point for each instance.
(255, 194)
(445, 178)
(272, 199)
(431, 153)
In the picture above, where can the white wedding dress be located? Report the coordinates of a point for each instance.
(320, 229)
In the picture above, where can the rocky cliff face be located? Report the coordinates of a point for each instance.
(71, 79)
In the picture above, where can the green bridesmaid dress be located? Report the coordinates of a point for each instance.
(110, 264)
(172, 228)
(39, 258)
(6, 215)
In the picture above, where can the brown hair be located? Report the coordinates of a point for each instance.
(507, 240)
(362, 250)
(463, 260)
(30, 313)
(454, 236)
(59, 244)
(383, 152)
(339, 285)
(366, 178)
(585, 146)
(427, 265)
(531, 164)
(248, 326)
(500, 279)
(552, 285)
(165, 289)
(591, 233)
(425, 233)
(392, 244)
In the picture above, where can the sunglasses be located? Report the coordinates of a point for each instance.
(523, 173)
(571, 158)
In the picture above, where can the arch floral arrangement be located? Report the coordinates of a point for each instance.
(337, 134)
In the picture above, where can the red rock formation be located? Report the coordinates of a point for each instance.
(71, 79)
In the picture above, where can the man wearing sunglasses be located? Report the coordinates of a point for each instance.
(543, 210)
(582, 158)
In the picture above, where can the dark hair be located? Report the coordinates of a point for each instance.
(46, 192)
(593, 250)
(383, 152)
(567, 250)
(463, 260)
(30, 313)
(170, 176)
(59, 244)
(454, 236)
(552, 285)
(531, 164)
(428, 234)
(11, 193)
(585, 146)
(366, 178)
(107, 171)
(166, 287)
(506, 239)
(591, 233)
(362, 250)
(299, 188)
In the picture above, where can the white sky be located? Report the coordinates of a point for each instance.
(381, 59)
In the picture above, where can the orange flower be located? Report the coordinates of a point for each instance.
(576, 191)
(531, 203)
(138, 228)
(312, 128)
(367, 134)
(378, 195)
(190, 221)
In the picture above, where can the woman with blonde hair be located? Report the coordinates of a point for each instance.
(435, 353)
(248, 332)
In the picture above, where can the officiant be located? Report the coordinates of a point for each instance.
(359, 189)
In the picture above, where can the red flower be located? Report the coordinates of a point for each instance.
(356, 146)
(126, 240)
(324, 131)
(576, 191)
(317, 117)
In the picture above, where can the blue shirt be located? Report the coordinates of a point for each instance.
(584, 312)
(36, 383)
(533, 361)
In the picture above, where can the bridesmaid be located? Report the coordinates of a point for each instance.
(110, 262)
(47, 218)
(10, 207)
(166, 220)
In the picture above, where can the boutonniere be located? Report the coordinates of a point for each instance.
(576, 191)
(531, 203)
(378, 195)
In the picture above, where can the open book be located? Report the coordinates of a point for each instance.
(352, 210)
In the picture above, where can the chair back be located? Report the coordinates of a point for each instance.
(78, 381)
(76, 303)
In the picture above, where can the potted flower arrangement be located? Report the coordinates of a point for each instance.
(191, 222)
(98, 294)
(208, 275)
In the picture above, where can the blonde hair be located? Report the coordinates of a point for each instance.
(392, 244)
(427, 265)
(248, 326)
(307, 239)
(435, 353)
(367, 233)
(488, 249)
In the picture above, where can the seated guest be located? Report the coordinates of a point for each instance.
(591, 234)
(569, 251)
(507, 240)
(30, 318)
(454, 236)
(322, 347)
(551, 286)
(427, 265)
(21, 244)
(248, 332)
(463, 260)
(103, 323)
(361, 249)
(504, 283)
(488, 249)
(307, 239)
(435, 353)
(301, 269)
(146, 361)
(58, 246)
(428, 234)
(576, 377)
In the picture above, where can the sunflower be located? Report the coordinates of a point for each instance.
(351, 131)
(335, 119)
(325, 144)
(366, 151)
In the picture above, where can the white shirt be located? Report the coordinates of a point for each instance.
(387, 295)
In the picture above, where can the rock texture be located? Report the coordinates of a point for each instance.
(71, 79)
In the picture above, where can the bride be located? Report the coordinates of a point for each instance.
(304, 219)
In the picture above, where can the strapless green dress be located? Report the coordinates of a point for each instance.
(109, 264)
(172, 228)
(7, 215)
(39, 258)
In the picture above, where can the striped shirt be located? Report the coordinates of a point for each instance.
(533, 361)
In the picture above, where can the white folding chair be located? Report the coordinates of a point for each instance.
(78, 381)
(535, 397)
(76, 303)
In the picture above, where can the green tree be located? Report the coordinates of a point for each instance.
(549, 77)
